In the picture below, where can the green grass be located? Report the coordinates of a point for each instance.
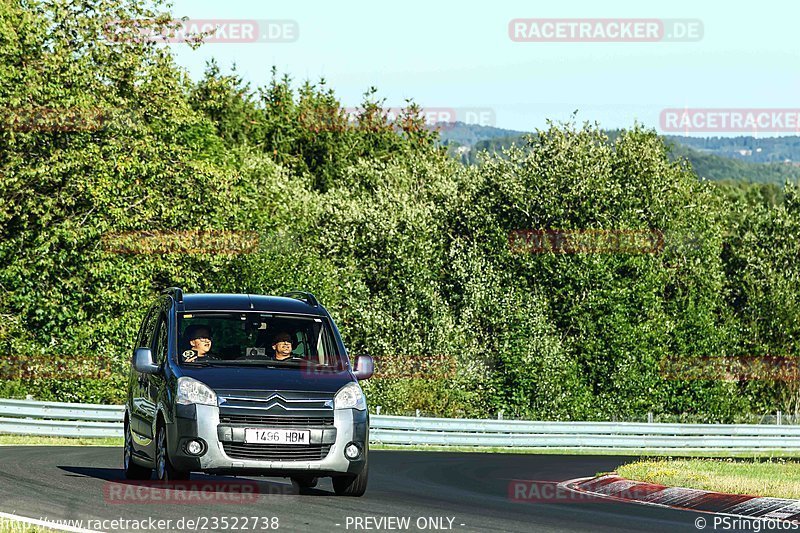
(632, 452)
(12, 526)
(29, 440)
(776, 477)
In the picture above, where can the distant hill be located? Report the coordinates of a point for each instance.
(767, 160)
(461, 134)
(748, 148)
(715, 167)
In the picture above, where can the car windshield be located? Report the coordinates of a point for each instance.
(256, 339)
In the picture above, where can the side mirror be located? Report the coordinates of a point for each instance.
(143, 361)
(363, 367)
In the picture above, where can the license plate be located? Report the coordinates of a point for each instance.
(277, 436)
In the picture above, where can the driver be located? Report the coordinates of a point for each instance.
(199, 338)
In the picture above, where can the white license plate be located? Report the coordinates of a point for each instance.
(277, 436)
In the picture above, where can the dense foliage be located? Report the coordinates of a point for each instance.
(105, 138)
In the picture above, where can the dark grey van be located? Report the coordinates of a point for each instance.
(245, 384)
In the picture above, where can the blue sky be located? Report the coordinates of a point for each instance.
(449, 54)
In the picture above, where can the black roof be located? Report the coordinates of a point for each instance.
(248, 302)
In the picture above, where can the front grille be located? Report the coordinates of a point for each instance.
(276, 421)
(276, 452)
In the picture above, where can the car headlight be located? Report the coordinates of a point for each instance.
(350, 397)
(191, 391)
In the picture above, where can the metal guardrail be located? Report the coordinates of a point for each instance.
(23, 417)
(502, 433)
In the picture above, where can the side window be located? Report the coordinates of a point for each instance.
(325, 348)
(146, 329)
(162, 341)
(331, 348)
(300, 344)
(322, 357)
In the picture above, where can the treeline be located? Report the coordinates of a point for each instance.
(781, 153)
(756, 149)
(408, 248)
(706, 165)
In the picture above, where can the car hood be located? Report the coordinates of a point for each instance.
(268, 379)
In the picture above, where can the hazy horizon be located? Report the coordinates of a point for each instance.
(445, 57)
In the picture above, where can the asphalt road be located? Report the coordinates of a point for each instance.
(435, 490)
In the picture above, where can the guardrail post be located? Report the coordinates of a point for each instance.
(500, 414)
(780, 418)
(377, 409)
(417, 413)
(650, 417)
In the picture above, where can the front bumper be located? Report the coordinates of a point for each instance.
(203, 422)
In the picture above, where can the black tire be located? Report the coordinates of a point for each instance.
(352, 485)
(304, 484)
(130, 468)
(164, 469)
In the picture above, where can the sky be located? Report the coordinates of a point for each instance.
(459, 57)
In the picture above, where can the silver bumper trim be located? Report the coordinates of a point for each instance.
(216, 458)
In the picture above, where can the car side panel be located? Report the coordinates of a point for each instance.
(137, 381)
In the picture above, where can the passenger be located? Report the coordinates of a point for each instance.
(199, 338)
(282, 346)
